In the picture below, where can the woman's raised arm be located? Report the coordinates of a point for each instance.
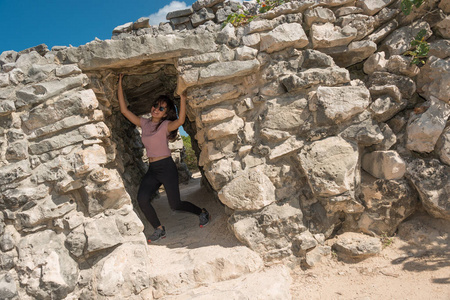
(181, 114)
(123, 107)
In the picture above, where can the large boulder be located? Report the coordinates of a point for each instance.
(432, 181)
(330, 166)
(251, 190)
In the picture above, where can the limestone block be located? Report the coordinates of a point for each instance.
(338, 104)
(46, 250)
(16, 76)
(125, 53)
(385, 107)
(7, 107)
(258, 26)
(316, 59)
(47, 210)
(355, 52)
(67, 70)
(381, 33)
(8, 57)
(105, 190)
(314, 257)
(443, 146)
(303, 242)
(28, 60)
(251, 190)
(141, 23)
(286, 114)
(7, 260)
(440, 49)
(272, 135)
(89, 158)
(385, 15)
(76, 242)
(389, 138)
(327, 35)
(282, 221)
(288, 146)
(8, 67)
(127, 27)
(89, 131)
(231, 127)
(432, 181)
(4, 79)
(387, 203)
(17, 151)
(375, 63)
(384, 164)
(102, 234)
(245, 53)
(443, 28)
(68, 123)
(371, 7)
(293, 7)
(39, 72)
(199, 4)
(400, 41)
(319, 15)
(352, 246)
(6, 242)
(316, 76)
(402, 65)
(15, 171)
(201, 16)
(227, 34)
(124, 273)
(332, 3)
(180, 13)
(225, 70)
(365, 133)
(219, 173)
(217, 115)
(251, 40)
(330, 165)
(38, 93)
(347, 10)
(200, 59)
(424, 129)
(276, 281)
(128, 222)
(244, 105)
(284, 36)
(405, 84)
(434, 79)
(8, 286)
(22, 194)
(363, 24)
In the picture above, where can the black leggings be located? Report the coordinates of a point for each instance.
(163, 172)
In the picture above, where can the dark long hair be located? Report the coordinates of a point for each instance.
(171, 114)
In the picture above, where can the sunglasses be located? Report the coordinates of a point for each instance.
(161, 108)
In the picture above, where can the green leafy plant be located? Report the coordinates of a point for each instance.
(238, 19)
(407, 5)
(190, 159)
(421, 48)
(386, 240)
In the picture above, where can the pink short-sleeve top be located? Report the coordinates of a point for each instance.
(155, 141)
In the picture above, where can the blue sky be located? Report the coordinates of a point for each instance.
(27, 23)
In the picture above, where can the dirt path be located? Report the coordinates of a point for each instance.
(413, 265)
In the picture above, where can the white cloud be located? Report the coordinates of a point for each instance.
(160, 16)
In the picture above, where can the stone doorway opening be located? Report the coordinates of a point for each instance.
(141, 86)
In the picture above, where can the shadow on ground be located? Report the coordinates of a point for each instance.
(182, 229)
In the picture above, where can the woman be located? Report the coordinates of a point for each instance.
(156, 133)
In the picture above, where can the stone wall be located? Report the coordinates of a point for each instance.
(308, 121)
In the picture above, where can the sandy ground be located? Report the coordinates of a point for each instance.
(415, 264)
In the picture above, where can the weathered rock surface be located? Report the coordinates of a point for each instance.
(282, 119)
(352, 246)
(431, 179)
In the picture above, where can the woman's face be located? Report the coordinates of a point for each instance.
(159, 110)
